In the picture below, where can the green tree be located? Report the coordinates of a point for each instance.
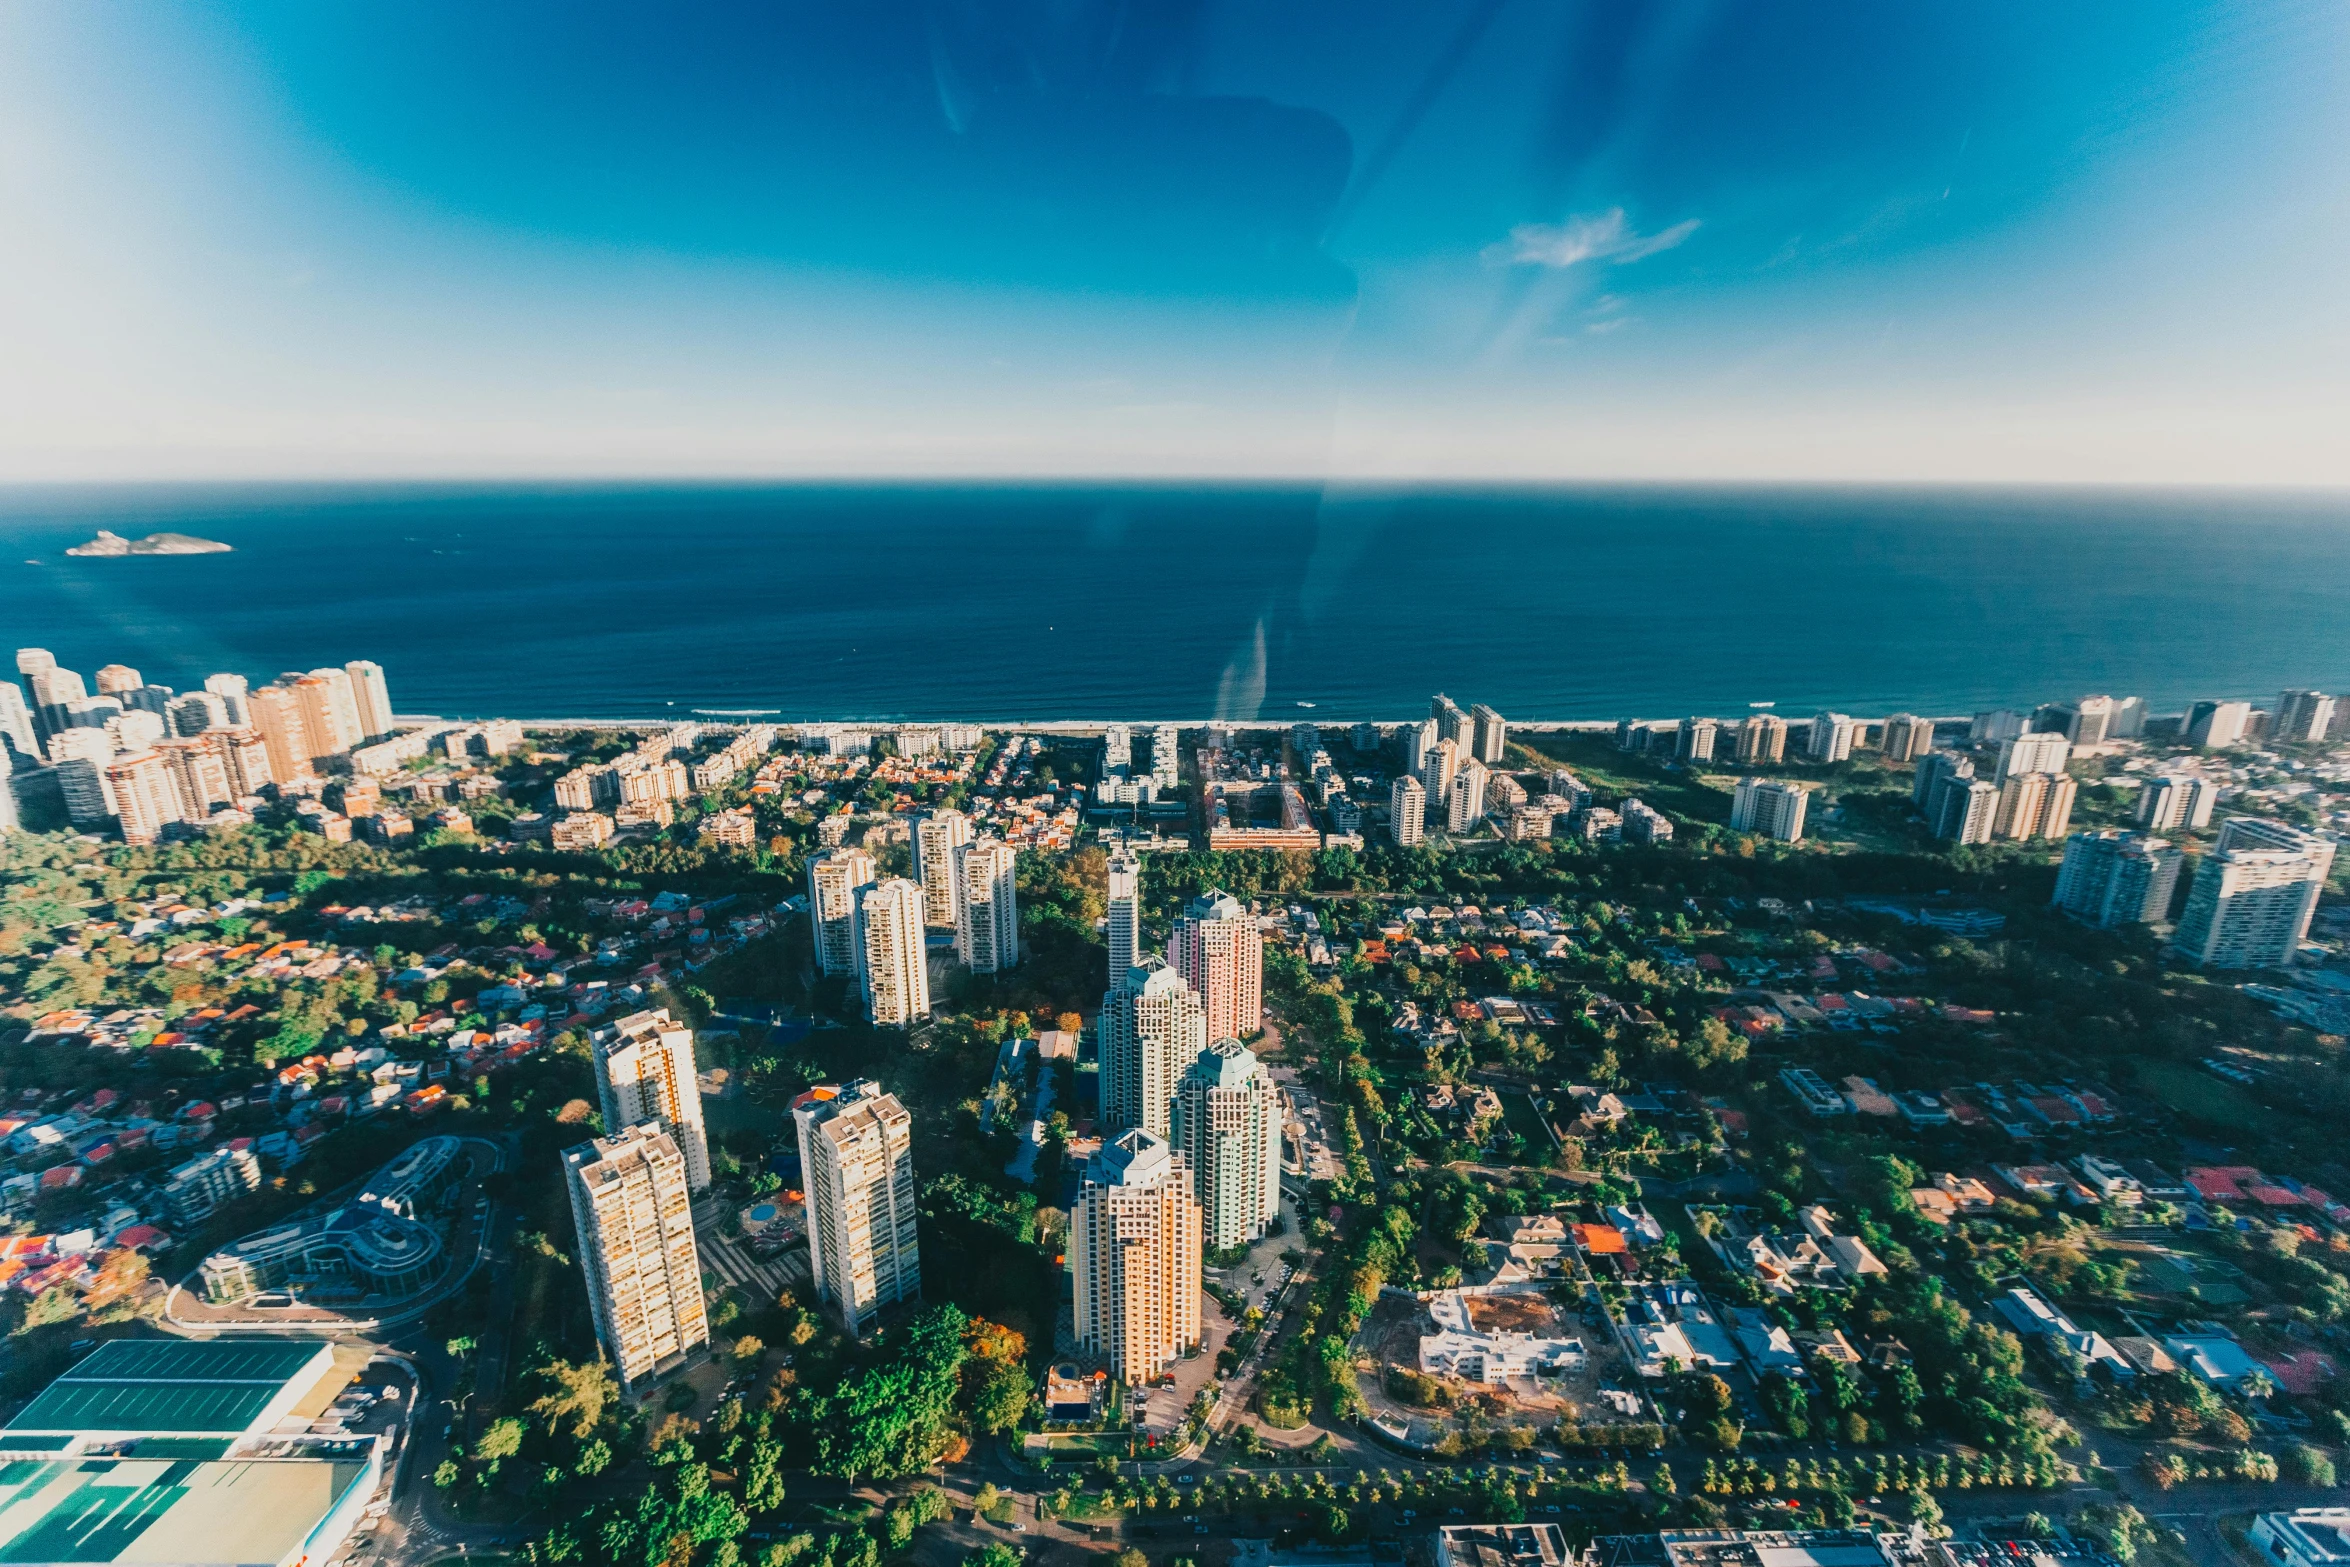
(888, 1419)
(763, 1476)
(501, 1441)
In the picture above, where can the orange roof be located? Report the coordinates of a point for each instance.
(1600, 1239)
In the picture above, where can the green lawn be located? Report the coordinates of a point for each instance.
(1520, 1116)
(1598, 763)
(2200, 1096)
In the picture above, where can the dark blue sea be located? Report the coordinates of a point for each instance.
(1026, 603)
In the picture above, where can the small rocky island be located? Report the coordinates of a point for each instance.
(153, 544)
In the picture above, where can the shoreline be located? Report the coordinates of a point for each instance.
(1073, 726)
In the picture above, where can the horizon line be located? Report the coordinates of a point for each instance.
(1170, 480)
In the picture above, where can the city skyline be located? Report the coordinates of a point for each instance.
(1508, 242)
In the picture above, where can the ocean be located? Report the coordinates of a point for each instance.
(1146, 602)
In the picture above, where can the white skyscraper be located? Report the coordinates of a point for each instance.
(1407, 811)
(893, 968)
(1134, 1258)
(1907, 737)
(1465, 806)
(1219, 950)
(2217, 725)
(2176, 800)
(234, 691)
(16, 723)
(1124, 934)
(1419, 741)
(987, 936)
(1152, 1028)
(1226, 1122)
(835, 881)
(2250, 903)
(2302, 717)
(1436, 772)
(938, 839)
(634, 1210)
(371, 699)
(1830, 739)
(1776, 810)
(1490, 737)
(645, 1072)
(856, 1156)
(2116, 878)
(2039, 752)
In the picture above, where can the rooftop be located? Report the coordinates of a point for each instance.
(174, 1387)
(161, 1510)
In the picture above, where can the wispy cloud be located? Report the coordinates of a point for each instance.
(1603, 236)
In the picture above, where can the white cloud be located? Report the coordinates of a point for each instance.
(1603, 236)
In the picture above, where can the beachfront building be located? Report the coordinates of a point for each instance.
(1830, 739)
(633, 1208)
(1490, 740)
(856, 1153)
(1762, 739)
(1907, 737)
(371, 698)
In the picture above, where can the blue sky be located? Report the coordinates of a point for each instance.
(1361, 240)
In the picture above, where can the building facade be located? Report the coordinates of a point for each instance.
(2176, 800)
(1775, 810)
(1134, 1258)
(987, 931)
(2250, 903)
(1226, 1122)
(835, 882)
(856, 1155)
(1762, 739)
(1465, 807)
(1907, 737)
(1407, 812)
(1124, 910)
(893, 963)
(1490, 736)
(2116, 878)
(1153, 1027)
(634, 1211)
(939, 839)
(645, 1072)
(1830, 739)
(1218, 949)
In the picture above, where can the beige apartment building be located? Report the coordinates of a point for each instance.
(1134, 1258)
(645, 1072)
(856, 1156)
(634, 1210)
